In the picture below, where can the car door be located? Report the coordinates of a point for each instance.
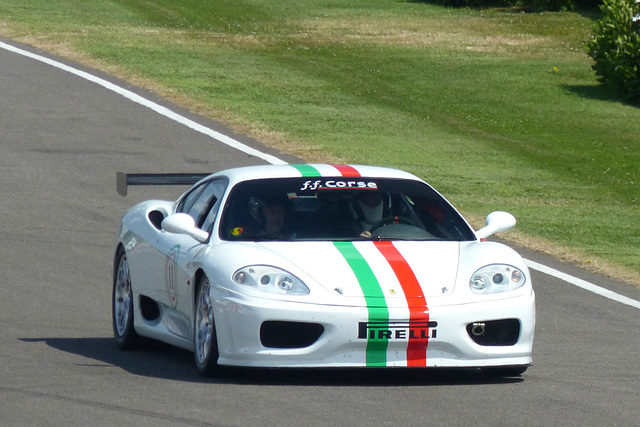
(182, 254)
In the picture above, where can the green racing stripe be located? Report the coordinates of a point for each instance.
(307, 170)
(374, 297)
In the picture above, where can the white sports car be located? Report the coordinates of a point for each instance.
(319, 266)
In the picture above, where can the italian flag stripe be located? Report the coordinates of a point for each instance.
(418, 310)
(376, 304)
(311, 171)
(307, 170)
(374, 296)
(347, 170)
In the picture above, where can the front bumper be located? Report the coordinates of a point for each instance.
(346, 337)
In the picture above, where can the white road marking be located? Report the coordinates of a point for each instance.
(151, 105)
(583, 284)
(276, 161)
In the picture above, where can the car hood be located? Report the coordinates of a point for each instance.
(402, 270)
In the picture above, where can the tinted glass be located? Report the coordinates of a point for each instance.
(187, 201)
(217, 190)
(339, 209)
(199, 203)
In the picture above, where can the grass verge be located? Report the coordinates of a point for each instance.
(497, 109)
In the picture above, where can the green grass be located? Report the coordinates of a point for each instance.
(497, 109)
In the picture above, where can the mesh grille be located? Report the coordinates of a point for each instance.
(156, 217)
(495, 332)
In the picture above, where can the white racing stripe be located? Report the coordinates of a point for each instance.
(274, 160)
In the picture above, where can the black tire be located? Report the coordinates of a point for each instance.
(124, 332)
(505, 371)
(205, 339)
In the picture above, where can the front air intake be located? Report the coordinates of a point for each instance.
(278, 334)
(495, 332)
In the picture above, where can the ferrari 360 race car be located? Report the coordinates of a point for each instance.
(319, 266)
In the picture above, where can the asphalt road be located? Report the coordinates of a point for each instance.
(61, 141)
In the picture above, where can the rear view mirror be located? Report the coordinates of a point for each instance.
(181, 223)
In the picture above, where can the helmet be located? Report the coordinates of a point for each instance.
(257, 203)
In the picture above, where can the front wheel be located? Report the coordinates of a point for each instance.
(122, 304)
(205, 339)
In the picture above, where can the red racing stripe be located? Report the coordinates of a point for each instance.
(418, 310)
(417, 303)
(347, 170)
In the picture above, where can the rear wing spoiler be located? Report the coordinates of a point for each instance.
(123, 180)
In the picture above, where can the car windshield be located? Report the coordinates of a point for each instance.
(293, 209)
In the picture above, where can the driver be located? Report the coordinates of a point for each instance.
(270, 212)
(368, 210)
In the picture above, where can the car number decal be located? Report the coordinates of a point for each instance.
(171, 274)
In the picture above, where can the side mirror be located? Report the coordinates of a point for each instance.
(496, 222)
(181, 223)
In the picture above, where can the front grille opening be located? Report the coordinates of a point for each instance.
(278, 334)
(495, 332)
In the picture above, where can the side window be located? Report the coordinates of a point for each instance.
(201, 204)
(214, 205)
(187, 202)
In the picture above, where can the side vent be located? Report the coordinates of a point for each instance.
(149, 308)
(156, 217)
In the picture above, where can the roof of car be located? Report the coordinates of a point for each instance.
(312, 171)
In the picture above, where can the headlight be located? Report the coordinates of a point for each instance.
(495, 278)
(270, 279)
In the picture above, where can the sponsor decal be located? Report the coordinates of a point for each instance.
(171, 274)
(403, 331)
(337, 184)
(237, 231)
(332, 183)
(132, 244)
